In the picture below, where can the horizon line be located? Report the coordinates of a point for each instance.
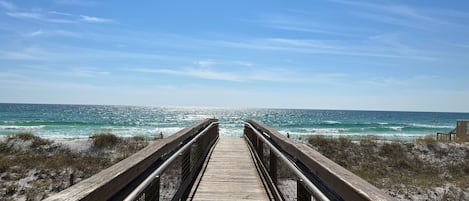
(235, 107)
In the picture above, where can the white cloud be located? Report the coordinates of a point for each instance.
(193, 72)
(36, 33)
(60, 33)
(7, 5)
(29, 53)
(392, 13)
(205, 63)
(60, 13)
(280, 75)
(77, 2)
(50, 16)
(298, 24)
(305, 46)
(38, 16)
(92, 19)
(89, 73)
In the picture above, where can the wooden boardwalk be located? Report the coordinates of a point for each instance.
(231, 174)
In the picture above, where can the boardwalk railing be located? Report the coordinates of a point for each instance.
(164, 170)
(287, 165)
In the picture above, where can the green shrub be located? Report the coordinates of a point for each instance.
(138, 138)
(105, 140)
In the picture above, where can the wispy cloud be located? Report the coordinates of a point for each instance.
(60, 13)
(39, 16)
(87, 73)
(77, 2)
(53, 17)
(60, 33)
(331, 47)
(393, 13)
(92, 19)
(7, 5)
(195, 72)
(29, 53)
(296, 24)
(205, 63)
(49, 16)
(36, 33)
(422, 81)
(246, 75)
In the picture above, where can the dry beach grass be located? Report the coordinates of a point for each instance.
(422, 170)
(32, 168)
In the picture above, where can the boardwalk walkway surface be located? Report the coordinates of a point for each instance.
(231, 174)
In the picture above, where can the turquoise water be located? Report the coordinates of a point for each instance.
(81, 121)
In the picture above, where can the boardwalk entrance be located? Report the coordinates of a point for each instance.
(231, 174)
(195, 164)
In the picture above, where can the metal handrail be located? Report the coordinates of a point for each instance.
(155, 174)
(307, 183)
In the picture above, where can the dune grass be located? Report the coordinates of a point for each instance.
(105, 140)
(51, 164)
(395, 164)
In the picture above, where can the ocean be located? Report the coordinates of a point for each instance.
(81, 121)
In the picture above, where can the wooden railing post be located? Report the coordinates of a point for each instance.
(260, 148)
(185, 165)
(153, 191)
(273, 167)
(302, 193)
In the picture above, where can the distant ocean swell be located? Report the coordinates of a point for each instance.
(78, 121)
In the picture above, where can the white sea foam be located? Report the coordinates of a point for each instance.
(396, 128)
(8, 127)
(331, 122)
(428, 126)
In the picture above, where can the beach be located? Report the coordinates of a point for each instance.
(47, 148)
(425, 169)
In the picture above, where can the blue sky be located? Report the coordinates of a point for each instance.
(333, 54)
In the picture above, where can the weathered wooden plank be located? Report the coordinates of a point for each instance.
(231, 174)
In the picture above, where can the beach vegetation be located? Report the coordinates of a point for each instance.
(5, 148)
(50, 163)
(105, 140)
(4, 164)
(36, 141)
(138, 138)
(398, 165)
(11, 189)
(427, 140)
